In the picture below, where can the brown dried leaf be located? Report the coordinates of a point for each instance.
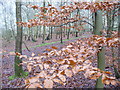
(76, 69)
(62, 77)
(48, 83)
(63, 67)
(31, 80)
(46, 66)
(60, 61)
(54, 47)
(57, 81)
(23, 56)
(41, 66)
(42, 74)
(48, 50)
(113, 82)
(107, 80)
(68, 73)
(29, 67)
(96, 75)
(48, 62)
(71, 62)
(34, 85)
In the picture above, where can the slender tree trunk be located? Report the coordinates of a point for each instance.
(43, 34)
(113, 18)
(18, 47)
(93, 20)
(51, 31)
(110, 21)
(43, 41)
(37, 32)
(61, 35)
(5, 19)
(109, 24)
(29, 32)
(39, 35)
(101, 53)
(68, 35)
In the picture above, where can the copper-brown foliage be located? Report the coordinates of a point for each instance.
(76, 57)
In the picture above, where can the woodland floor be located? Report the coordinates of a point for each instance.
(78, 80)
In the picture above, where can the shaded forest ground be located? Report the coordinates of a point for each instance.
(76, 81)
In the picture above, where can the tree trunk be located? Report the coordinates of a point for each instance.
(68, 34)
(61, 35)
(39, 35)
(101, 53)
(113, 18)
(43, 41)
(18, 47)
(51, 31)
(101, 66)
(43, 34)
(93, 20)
(110, 21)
(109, 24)
(119, 36)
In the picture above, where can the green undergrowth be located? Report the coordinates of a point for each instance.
(44, 44)
(24, 74)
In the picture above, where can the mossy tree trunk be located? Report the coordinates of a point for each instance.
(18, 47)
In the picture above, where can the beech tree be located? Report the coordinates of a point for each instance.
(18, 48)
(101, 53)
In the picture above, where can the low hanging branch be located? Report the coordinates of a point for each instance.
(73, 22)
(59, 17)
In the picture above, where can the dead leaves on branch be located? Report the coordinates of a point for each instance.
(52, 16)
(109, 80)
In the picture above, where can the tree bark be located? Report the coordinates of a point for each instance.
(109, 24)
(68, 34)
(18, 47)
(43, 41)
(101, 53)
(61, 35)
(51, 31)
(93, 20)
(119, 36)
